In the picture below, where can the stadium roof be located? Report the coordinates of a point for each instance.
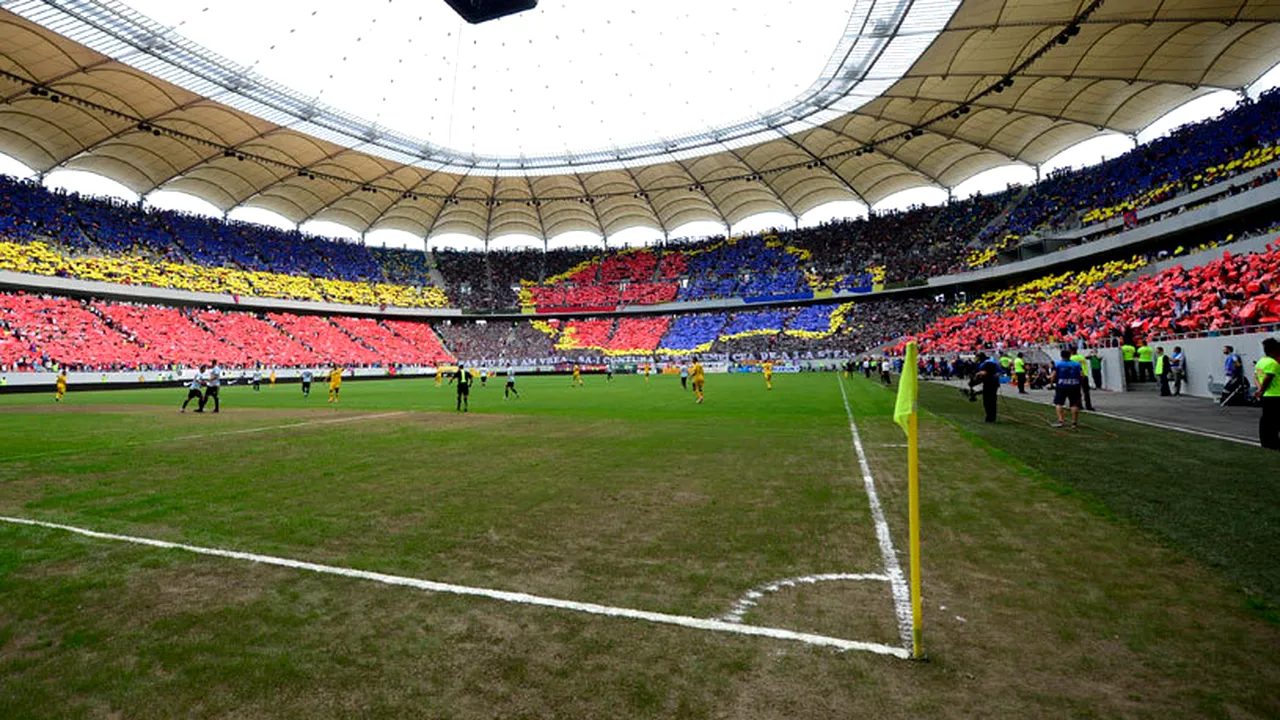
(904, 102)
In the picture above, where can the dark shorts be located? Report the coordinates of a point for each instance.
(464, 390)
(511, 383)
(1067, 396)
(193, 394)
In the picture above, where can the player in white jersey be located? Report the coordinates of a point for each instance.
(213, 381)
(511, 384)
(193, 391)
(307, 375)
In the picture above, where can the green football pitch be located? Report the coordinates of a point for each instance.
(595, 549)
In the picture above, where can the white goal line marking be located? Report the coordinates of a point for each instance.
(749, 600)
(901, 595)
(246, 431)
(502, 595)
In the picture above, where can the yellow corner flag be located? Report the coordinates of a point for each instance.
(907, 385)
(904, 413)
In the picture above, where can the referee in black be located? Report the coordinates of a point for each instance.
(463, 379)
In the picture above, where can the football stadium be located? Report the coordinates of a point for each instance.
(573, 359)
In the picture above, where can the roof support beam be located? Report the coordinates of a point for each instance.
(825, 165)
(644, 194)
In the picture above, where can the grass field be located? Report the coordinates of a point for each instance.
(1104, 574)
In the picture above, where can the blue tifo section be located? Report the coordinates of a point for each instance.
(746, 268)
(760, 320)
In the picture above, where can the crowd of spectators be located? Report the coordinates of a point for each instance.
(48, 232)
(40, 332)
(1090, 308)
(1191, 157)
(497, 342)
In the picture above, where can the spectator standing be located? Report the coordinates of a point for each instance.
(1178, 362)
(1267, 373)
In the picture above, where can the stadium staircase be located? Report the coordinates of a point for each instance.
(433, 271)
(287, 334)
(355, 338)
(1000, 218)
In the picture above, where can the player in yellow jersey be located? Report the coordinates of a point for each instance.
(335, 383)
(273, 377)
(60, 385)
(696, 374)
(439, 374)
(767, 368)
(577, 376)
(645, 367)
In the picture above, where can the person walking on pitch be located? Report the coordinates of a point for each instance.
(307, 375)
(696, 373)
(767, 368)
(213, 381)
(511, 385)
(335, 383)
(60, 385)
(193, 391)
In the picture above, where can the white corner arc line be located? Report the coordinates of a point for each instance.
(502, 595)
(752, 596)
(897, 581)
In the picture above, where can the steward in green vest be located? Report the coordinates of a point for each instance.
(1162, 372)
(1145, 370)
(1267, 373)
(1079, 359)
(1020, 374)
(1130, 366)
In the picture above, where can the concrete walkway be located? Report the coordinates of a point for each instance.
(1199, 416)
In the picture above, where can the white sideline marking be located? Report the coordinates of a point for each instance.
(901, 596)
(748, 601)
(503, 595)
(160, 441)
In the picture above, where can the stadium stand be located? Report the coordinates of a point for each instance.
(1088, 307)
(52, 233)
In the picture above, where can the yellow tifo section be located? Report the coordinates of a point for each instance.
(1256, 157)
(983, 257)
(1051, 285)
(41, 259)
(836, 321)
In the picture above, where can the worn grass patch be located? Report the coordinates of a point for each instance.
(1043, 597)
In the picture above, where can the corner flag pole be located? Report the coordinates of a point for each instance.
(913, 501)
(906, 414)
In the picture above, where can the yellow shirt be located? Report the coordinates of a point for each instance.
(575, 370)
(62, 382)
(696, 372)
(335, 377)
(768, 368)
